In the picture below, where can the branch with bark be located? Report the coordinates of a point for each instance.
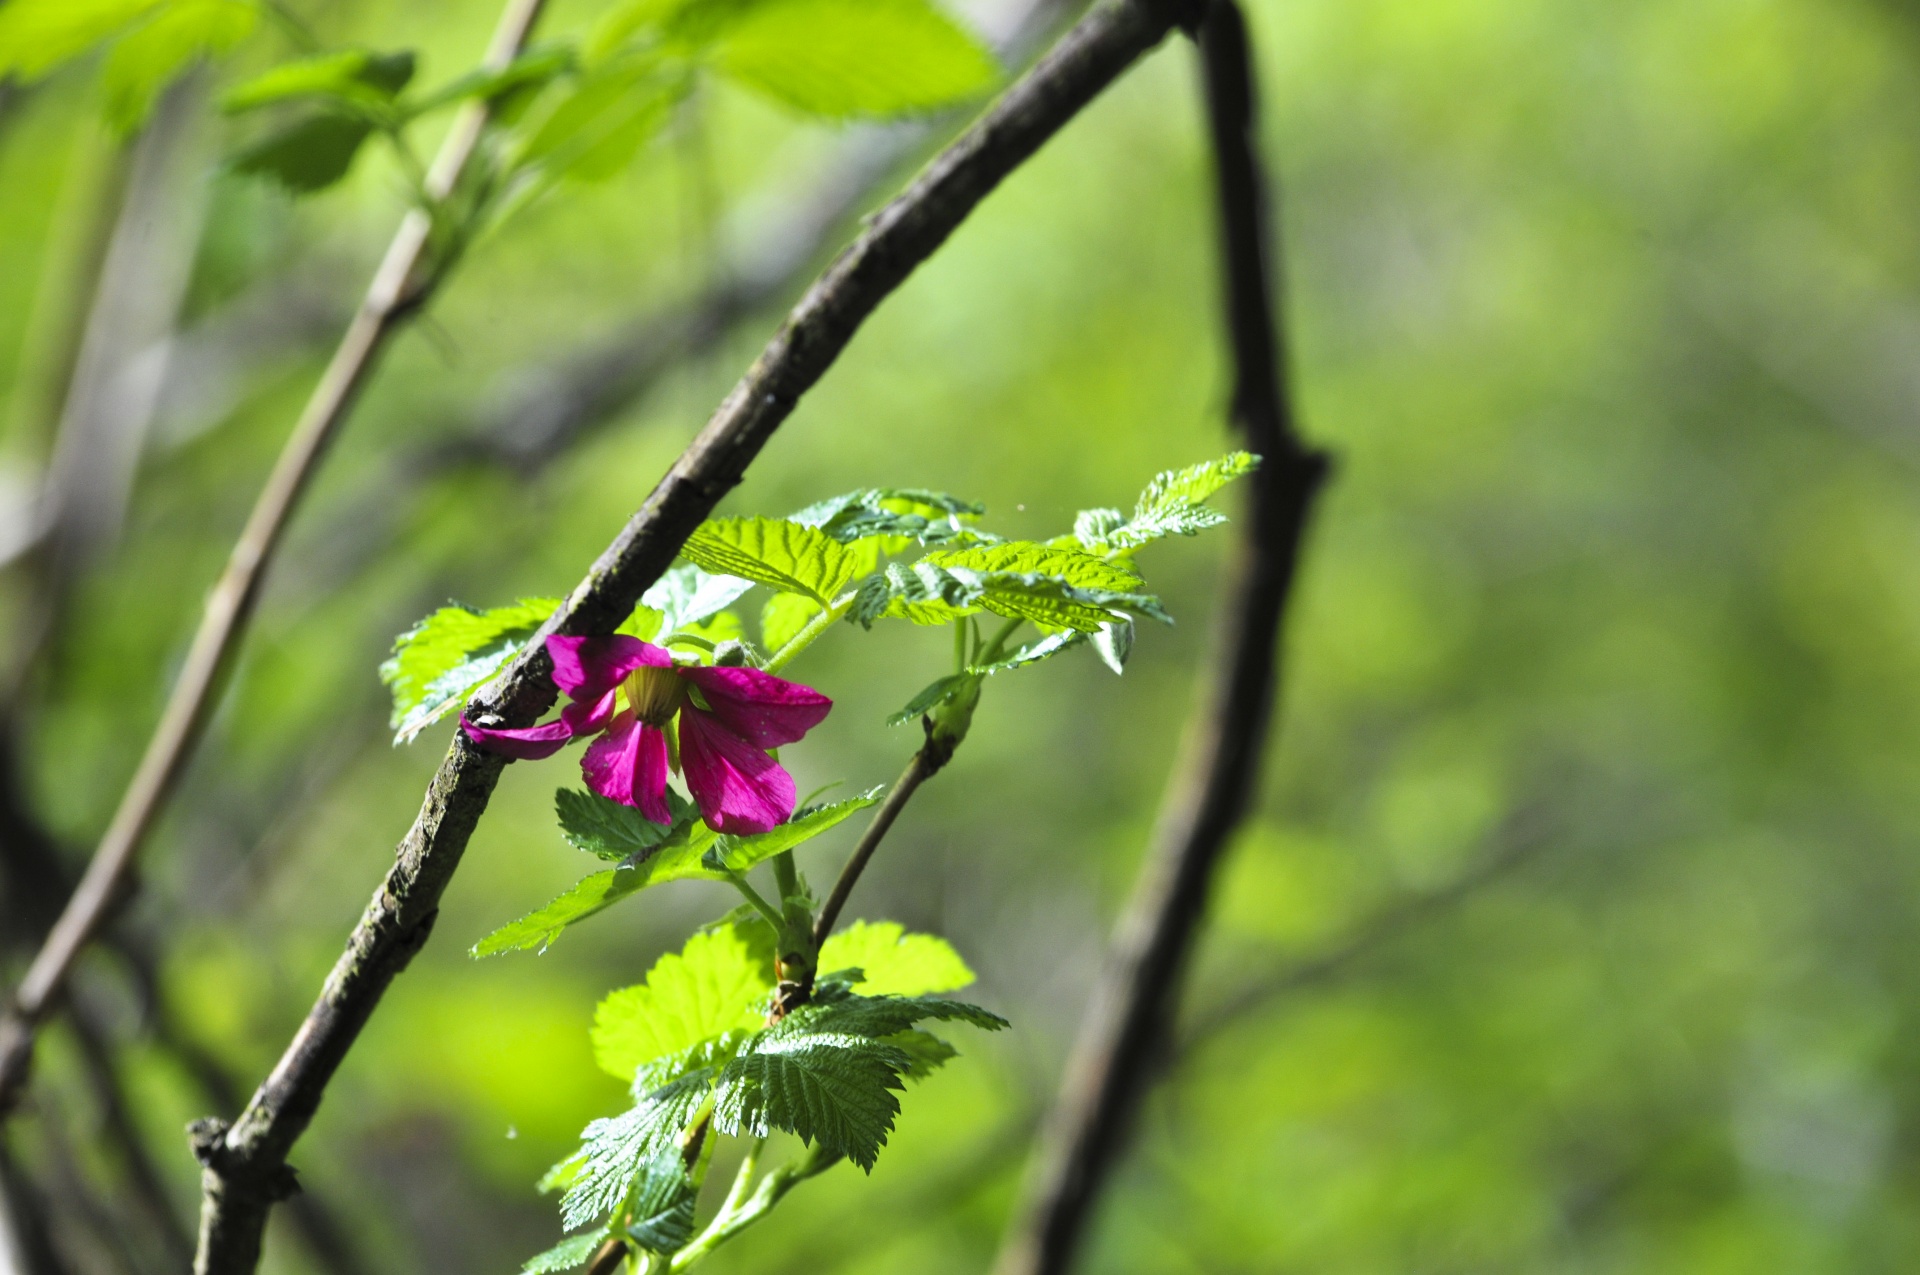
(246, 1164)
(1128, 1020)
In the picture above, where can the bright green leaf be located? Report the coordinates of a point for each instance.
(677, 859)
(610, 829)
(565, 1255)
(441, 661)
(151, 56)
(739, 853)
(36, 36)
(834, 1089)
(842, 58)
(1028, 557)
(712, 986)
(894, 962)
(306, 156)
(772, 551)
(686, 595)
(356, 79)
(784, 615)
(615, 1152)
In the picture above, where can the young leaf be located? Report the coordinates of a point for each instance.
(733, 853)
(615, 1151)
(441, 661)
(1028, 557)
(1114, 642)
(782, 618)
(842, 58)
(834, 1089)
(1091, 527)
(837, 1011)
(1052, 603)
(927, 1051)
(611, 830)
(676, 859)
(782, 555)
(529, 71)
(893, 513)
(663, 1204)
(686, 595)
(567, 1254)
(305, 156)
(600, 120)
(37, 36)
(713, 985)
(894, 962)
(148, 58)
(1171, 504)
(355, 80)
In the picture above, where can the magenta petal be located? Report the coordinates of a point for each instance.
(739, 788)
(589, 667)
(628, 764)
(586, 716)
(530, 744)
(762, 709)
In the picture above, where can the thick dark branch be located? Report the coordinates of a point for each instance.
(399, 287)
(1127, 1022)
(246, 1170)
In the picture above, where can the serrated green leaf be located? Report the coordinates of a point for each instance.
(733, 853)
(37, 36)
(611, 830)
(895, 515)
(1032, 652)
(894, 962)
(927, 1051)
(565, 1255)
(1052, 603)
(1091, 527)
(615, 1151)
(441, 661)
(772, 551)
(1029, 557)
(784, 615)
(842, 58)
(836, 1011)
(833, 1089)
(934, 694)
(678, 858)
(713, 985)
(686, 595)
(148, 58)
(305, 156)
(921, 593)
(664, 1199)
(1170, 505)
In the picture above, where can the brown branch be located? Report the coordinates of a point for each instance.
(246, 1164)
(1111, 1064)
(404, 280)
(924, 765)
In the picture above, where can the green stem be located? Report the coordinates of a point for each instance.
(730, 1222)
(760, 905)
(960, 645)
(743, 1179)
(807, 635)
(997, 646)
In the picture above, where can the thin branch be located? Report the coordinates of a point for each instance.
(246, 1169)
(1111, 1063)
(922, 768)
(401, 285)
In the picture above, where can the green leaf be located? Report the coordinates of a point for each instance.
(611, 830)
(531, 70)
(1052, 603)
(37, 36)
(784, 615)
(894, 962)
(927, 1051)
(893, 513)
(1170, 505)
(151, 56)
(1029, 557)
(440, 662)
(360, 81)
(772, 551)
(305, 156)
(733, 853)
(935, 694)
(599, 122)
(664, 1199)
(837, 1011)
(921, 592)
(842, 58)
(614, 1152)
(837, 1090)
(566, 1255)
(686, 595)
(1114, 642)
(713, 985)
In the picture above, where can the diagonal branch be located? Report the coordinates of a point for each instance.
(1128, 1020)
(403, 282)
(246, 1164)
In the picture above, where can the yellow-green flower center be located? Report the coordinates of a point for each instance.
(654, 694)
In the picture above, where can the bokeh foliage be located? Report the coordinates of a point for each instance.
(1608, 312)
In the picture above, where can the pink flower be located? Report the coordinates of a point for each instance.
(727, 719)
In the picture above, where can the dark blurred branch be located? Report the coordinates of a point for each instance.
(1112, 1061)
(246, 1164)
(401, 285)
(26, 1241)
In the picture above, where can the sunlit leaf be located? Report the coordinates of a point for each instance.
(841, 58)
(772, 551)
(440, 662)
(894, 962)
(713, 985)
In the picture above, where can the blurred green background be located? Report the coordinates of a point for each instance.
(1598, 768)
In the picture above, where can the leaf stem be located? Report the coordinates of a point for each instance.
(918, 771)
(743, 1179)
(997, 646)
(759, 903)
(807, 635)
(960, 645)
(729, 1222)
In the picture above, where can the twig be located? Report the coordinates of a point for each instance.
(245, 1165)
(1112, 1060)
(400, 286)
(924, 765)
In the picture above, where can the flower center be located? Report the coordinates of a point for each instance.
(654, 694)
